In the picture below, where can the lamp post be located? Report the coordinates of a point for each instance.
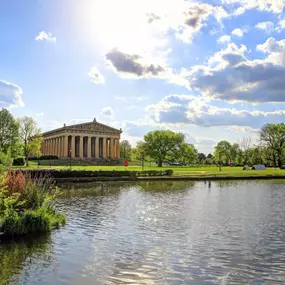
(49, 160)
(70, 151)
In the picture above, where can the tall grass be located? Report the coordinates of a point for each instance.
(27, 205)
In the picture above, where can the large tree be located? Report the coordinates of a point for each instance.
(223, 151)
(125, 149)
(31, 137)
(161, 144)
(273, 137)
(9, 132)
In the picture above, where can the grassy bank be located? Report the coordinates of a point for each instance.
(193, 171)
(26, 205)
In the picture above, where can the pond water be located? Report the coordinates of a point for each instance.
(230, 232)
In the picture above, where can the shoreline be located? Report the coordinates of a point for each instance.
(165, 178)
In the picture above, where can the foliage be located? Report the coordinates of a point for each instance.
(19, 161)
(224, 151)
(9, 132)
(26, 205)
(43, 157)
(162, 144)
(85, 173)
(31, 137)
(273, 137)
(6, 159)
(125, 150)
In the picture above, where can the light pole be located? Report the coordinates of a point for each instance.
(70, 151)
(49, 160)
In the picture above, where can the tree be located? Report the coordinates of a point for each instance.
(223, 151)
(188, 153)
(201, 157)
(273, 137)
(162, 144)
(9, 132)
(31, 137)
(125, 149)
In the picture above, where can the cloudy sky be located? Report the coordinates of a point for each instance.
(211, 69)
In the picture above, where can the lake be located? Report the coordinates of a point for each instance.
(223, 232)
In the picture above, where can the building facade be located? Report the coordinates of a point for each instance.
(83, 141)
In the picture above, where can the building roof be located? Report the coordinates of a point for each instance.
(89, 126)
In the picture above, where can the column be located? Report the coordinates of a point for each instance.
(60, 146)
(47, 150)
(104, 147)
(65, 150)
(81, 147)
(72, 146)
(51, 146)
(112, 148)
(89, 147)
(118, 149)
(45, 147)
(97, 147)
(54, 146)
(57, 146)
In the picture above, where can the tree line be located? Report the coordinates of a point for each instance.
(18, 138)
(166, 146)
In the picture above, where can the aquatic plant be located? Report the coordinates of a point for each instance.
(27, 205)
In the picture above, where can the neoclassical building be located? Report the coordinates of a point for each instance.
(83, 141)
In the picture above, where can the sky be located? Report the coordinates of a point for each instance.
(212, 70)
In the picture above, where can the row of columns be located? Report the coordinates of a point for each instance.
(82, 147)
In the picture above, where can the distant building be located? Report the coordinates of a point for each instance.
(83, 141)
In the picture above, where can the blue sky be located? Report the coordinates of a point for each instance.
(211, 69)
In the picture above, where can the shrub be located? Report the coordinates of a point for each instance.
(43, 157)
(53, 173)
(26, 205)
(19, 161)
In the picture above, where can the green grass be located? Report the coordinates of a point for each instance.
(193, 171)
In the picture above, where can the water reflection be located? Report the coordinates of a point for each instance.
(221, 232)
(24, 255)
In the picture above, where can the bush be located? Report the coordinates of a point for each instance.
(26, 205)
(44, 157)
(19, 161)
(53, 173)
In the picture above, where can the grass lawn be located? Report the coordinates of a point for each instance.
(195, 171)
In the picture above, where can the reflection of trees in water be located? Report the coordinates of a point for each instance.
(91, 189)
(14, 255)
(166, 186)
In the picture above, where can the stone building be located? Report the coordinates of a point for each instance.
(83, 141)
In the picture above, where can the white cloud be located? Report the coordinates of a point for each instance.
(40, 114)
(281, 24)
(96, 76)
(45, 36)
(268, 26)
(237, 32)
(107, 112)
(224, 39)
(187, 109)
(229, 75)
(273, 6)
(10, 95)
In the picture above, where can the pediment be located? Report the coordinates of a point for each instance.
(94, 126)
